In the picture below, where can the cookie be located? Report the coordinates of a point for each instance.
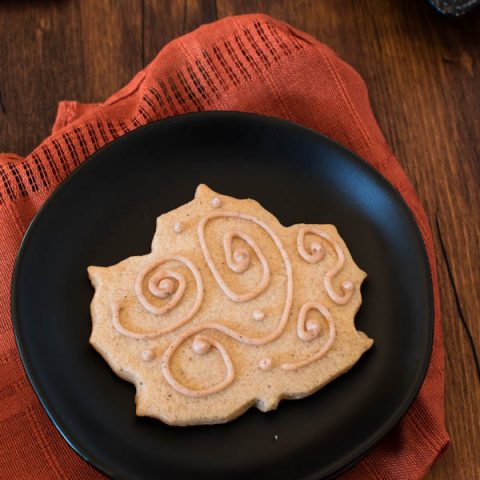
(229, 310)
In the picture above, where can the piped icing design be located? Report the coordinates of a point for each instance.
(165, 284)
(161, 287)
(315, 253)
(308, 330)
(201, 345)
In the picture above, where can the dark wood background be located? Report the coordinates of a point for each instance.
(423, 74)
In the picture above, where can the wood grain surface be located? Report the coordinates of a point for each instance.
(423, 74)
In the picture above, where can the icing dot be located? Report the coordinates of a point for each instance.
(265, 364)
(147, 355)
(258, 315)
(165, 284)
(347, 286)
(240, 254)
(312, 326)
(178, 227)
(201, 346)
(216, 202)
(166, 288)
(315, 247)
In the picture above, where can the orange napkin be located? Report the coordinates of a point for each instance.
(250, 63)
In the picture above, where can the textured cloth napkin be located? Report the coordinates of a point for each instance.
(249, 63)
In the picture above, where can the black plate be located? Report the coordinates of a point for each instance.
(106, 211)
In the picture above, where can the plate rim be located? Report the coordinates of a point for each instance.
(89, 455)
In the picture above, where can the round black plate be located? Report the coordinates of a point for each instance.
(106, 212)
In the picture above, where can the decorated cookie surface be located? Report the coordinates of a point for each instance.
(229, 310)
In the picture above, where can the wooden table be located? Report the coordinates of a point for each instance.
(423, 73)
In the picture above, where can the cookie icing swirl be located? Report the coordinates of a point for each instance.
(239, 260)
(316, 253)
(308, 334)
(163, 284)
